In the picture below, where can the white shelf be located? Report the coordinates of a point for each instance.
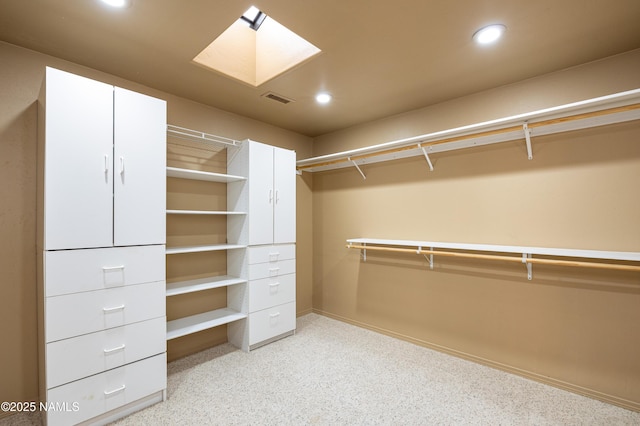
(196, 249)
(199, 175)
(610, 109)
(200, 284)
(204, 212)
(193, 324)
(544, 251)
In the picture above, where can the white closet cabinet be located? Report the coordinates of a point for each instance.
(269, 231)
(101, 253)
(104, 164)
(271, 192)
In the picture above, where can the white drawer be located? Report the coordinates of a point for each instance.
(272, 269)
(81, 313)
(273, 253)
(73, 271)
(95, 395)
(78, 357)
(269, 292)
(271, 322)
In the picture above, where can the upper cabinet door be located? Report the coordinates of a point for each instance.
(78, 159)
(261, 193)
(284, 218)
(139, 169)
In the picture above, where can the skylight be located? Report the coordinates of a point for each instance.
(254, 17)
(255, 57)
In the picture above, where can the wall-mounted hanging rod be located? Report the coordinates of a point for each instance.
(616, 108)
(198, 136)
(463, 251)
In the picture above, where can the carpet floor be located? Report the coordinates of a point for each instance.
(332, 373)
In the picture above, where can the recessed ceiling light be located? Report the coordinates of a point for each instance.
(323, 98)
(118, 3)
(489, 34)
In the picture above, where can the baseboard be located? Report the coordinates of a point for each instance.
(570, 387)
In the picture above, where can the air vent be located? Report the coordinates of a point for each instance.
(277, 98)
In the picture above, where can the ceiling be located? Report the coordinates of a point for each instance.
(379, 58)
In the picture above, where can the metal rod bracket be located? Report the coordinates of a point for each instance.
(357, 167)
(525, 257)
(426, 156)
(527, 136)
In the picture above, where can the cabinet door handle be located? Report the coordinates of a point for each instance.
(112, 268)
(277, 196)
(270, 196)
(111, 392)
(119, 348)
(115, 308)
(106, 163)
(121, 165)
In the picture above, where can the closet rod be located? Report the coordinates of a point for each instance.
(514, 259)
(422, 141)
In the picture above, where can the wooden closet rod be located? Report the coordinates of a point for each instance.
(486, 133)
(514, 259)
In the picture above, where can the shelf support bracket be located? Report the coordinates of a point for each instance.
(426, 156)
(357, 167)
(525, 257)
(527, 136)
(429, 257)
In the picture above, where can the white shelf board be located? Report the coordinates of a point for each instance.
(192, 324)
(204, 212)
(545, 251)
(196, 249)
(541, 122)
(200, 284)
(199, 175)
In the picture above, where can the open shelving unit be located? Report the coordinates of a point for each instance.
(232, 312)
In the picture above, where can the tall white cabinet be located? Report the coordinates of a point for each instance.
(101, 236)
(269, 231)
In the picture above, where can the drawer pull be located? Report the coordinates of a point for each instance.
(119, 348)
(112, 268)
(273, 257)
(273, 271)
(277, 314)
(111, 392)
(115, 308)
(274, 284)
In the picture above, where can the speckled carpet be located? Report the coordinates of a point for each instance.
(332, 373)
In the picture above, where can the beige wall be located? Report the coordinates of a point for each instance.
(574, 328)
(21, 74)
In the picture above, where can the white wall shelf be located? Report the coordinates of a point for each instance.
(205, 212)
(200, 284)
(431, 248)
(193, 324)
(198, 136)
(615, 108)
(200, 175)
(196, 249)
